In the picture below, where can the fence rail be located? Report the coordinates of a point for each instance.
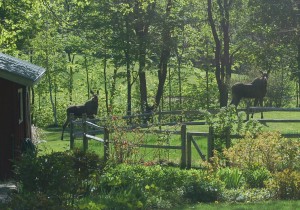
(187, 138)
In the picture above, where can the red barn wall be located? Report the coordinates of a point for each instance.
(12, 131)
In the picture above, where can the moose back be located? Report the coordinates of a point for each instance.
(90, 108)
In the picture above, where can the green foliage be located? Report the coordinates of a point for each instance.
(267, 149)
(123, 141)
(196, 94)
(60, 177)
(231, 177)
(255, 178)
(159, 187)
(268, 160)
(285, 184)
(126, 137)
(227, 121)
(243, 195)
(36, 201)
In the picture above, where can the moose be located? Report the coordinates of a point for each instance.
(257, 89)
(90, 108)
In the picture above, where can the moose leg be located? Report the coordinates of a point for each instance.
(235, 101)
(255, 104)
(64, 127)
(261, 105)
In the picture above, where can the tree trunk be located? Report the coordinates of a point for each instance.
(48, 75)
(128, 71)
(129, 85)
(298, 73)
(165, 55)
(226, 60)
(142, 29)
(298, 56)
(113, 89)
(143, 82)
(222, 57)
(179, 79)
(87, 76)
(105, 81)
(71, 73)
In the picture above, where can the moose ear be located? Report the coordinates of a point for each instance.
(261, 72)
(92, 92)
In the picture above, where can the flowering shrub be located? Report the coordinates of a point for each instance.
(269, 150)
(268, 160)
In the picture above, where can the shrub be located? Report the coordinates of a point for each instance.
(227, 121)
(246, 195)
(285, 184)
(37, 201)
(268, 150)
(255, 178)
(157, 186)
(203, 188)
(59, 177)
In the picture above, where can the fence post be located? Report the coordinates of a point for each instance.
(106, 144)
(183, 146)
(84, 126)
(71, 130)
(189, 151)
(210, 143)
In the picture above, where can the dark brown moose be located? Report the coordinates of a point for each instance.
(257, 89)
(90, 108)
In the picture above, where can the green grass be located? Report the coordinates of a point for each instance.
(281, 127)
(268, 205)
(53, 142)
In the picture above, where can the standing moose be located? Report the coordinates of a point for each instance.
(257, 89)
(90, 108)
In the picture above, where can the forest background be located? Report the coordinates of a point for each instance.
(149, 55)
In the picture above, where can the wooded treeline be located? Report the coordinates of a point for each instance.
(145, 55)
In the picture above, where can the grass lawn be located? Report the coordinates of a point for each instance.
(268, 205)
(53, 143)
(282, 127)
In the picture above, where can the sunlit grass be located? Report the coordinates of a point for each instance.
(52, 140)
(285, 127)
(52, 143)
(268, 205)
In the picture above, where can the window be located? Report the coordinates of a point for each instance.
(20, 102)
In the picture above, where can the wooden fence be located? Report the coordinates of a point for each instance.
(86, 133)
(187, 138)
